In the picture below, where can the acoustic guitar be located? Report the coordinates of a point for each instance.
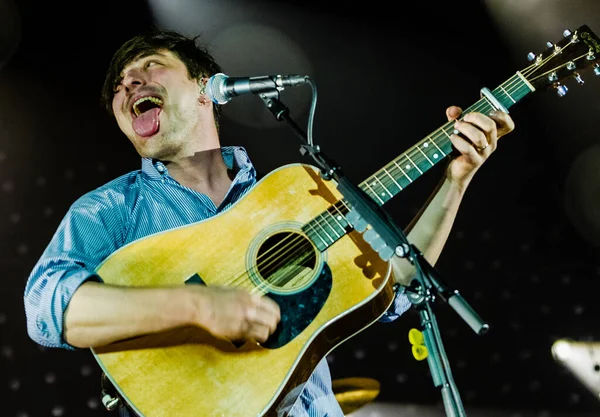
(294, 244)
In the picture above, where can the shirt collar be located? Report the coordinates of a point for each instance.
(235, 157)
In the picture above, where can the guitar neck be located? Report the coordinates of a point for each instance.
(410, 165)
(382, 186)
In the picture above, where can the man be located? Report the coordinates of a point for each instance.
(155, 88)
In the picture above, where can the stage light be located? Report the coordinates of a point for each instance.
(561, 350)
(582, 360)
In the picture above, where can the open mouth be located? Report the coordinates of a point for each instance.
(144, 104)
(146, 115)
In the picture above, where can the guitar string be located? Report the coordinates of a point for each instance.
(303, 243)
(270, 283)
(548, 72)
(484, 104)
(476, 107)
(480, 105)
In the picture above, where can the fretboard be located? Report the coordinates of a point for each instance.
(382, 186)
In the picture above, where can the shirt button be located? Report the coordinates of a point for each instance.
(160, 168)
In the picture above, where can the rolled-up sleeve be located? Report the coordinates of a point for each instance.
(87, 234)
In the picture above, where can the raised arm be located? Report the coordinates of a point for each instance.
(430, 229)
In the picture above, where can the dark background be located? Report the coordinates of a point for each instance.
(524, 248)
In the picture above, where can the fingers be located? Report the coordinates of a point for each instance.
(453, 113)
(504, 122)
(480, 130)
(465, 147)
(483, 131)
(262, 317)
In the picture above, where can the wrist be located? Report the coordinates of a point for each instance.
(458, 186)
(197, 302)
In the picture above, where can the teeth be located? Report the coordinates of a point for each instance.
(155, 100)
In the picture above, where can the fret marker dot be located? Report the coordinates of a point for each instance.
(374, 184)
(435, 156)
(407, 167)
(383, 194)
(425, 145)
(339, 217)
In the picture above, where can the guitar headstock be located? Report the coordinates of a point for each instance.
(564, 60)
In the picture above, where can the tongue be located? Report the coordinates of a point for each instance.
(147, 123)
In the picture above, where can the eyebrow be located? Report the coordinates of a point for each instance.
(151, 54)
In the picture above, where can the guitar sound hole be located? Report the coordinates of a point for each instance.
(286, 260)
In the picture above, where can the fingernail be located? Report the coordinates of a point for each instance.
(492, 113)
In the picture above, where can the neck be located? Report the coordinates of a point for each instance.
(202, 169)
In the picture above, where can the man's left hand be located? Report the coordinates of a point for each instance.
(480, 134)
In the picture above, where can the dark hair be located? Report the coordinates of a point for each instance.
(198, 61)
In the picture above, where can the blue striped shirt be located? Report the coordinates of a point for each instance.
(130, 207)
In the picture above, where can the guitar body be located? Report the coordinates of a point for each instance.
(325, 298)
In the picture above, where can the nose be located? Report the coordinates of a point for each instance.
(132, 80)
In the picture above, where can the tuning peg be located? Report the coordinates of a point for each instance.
(579, 79)
(567, 33)
(549, 44)
(530, 56)
(597, 69)
(561, 90)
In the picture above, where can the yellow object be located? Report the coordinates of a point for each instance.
(415, 337)
(419, 350)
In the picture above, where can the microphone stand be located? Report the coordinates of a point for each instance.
(388, 239)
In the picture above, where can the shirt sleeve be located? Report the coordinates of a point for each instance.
(400, 305)
(88, 233)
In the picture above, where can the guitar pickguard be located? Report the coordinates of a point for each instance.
(299, 310)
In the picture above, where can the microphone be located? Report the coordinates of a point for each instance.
(221, 88)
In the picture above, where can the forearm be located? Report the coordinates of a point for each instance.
(430, 229)
(99, 314)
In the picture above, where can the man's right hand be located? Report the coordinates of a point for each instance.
(236, 314)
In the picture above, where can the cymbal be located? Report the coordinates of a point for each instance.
(353, 393)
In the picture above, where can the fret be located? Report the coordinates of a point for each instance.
(438, 148)
(446, 133)
(515, 89)
(327, 220)
(325, 231)
(393, 179)
(314, 232)
(415, 165)
(377, 186)
(403, 173)
(491, 105)
(432, 151)
(384, 187)
(338, 218)
(508, 95)
(487, 106)
(425, 155)
(374, 193)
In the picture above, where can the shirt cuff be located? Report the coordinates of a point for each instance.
(46, 307)
(400, 305)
